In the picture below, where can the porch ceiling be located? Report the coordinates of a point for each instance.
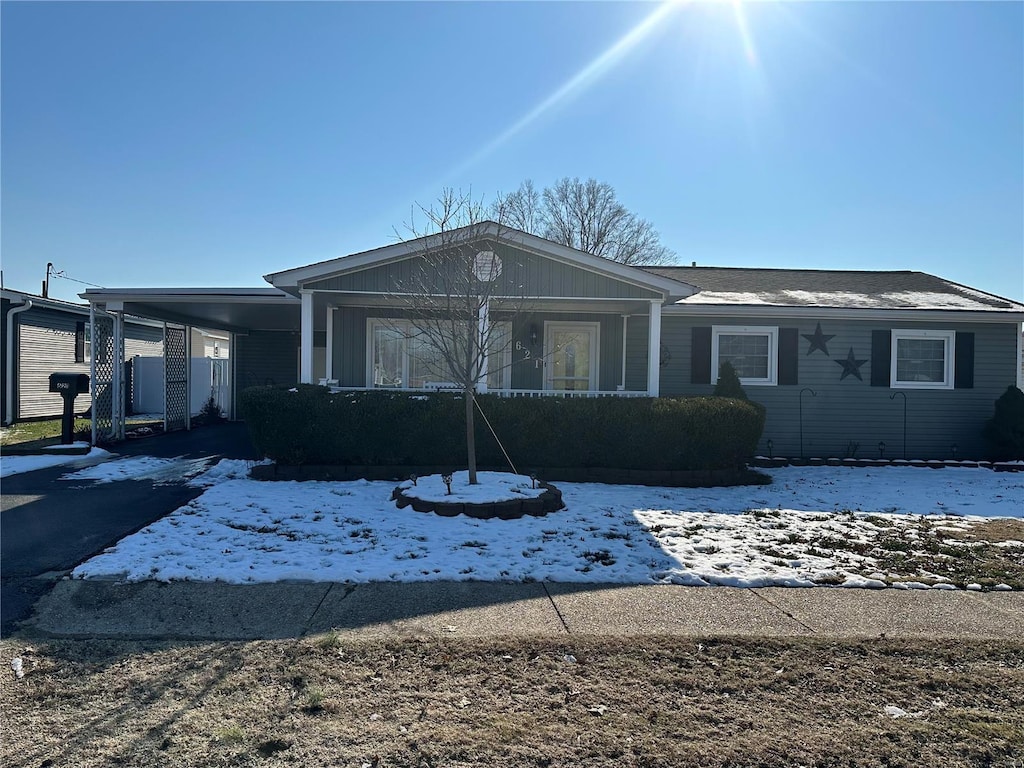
(238, 310)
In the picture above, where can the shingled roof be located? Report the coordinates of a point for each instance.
(844, 289)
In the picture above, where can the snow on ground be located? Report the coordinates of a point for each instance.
(244, 531)
(142, 468)
(15, 465)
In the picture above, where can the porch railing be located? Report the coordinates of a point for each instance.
(498, 392)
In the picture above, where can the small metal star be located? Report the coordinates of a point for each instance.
(851, 365)
(818, 340)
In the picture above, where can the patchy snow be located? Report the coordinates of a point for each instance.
(226, 469)
(244, 531)
(492, 487)
(16, 465)
(142, 468)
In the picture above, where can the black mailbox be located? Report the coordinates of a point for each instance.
(76, 383)
(68, 385)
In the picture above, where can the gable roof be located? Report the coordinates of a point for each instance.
(291, 280)
(840, 289)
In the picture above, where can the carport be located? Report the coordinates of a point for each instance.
(263, 324)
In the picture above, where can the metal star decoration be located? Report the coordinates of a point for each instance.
(818, 340)
(851, 365)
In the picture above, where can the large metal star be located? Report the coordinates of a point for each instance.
(818, 340)
(851, 365)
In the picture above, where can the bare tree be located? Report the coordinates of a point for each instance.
(446, 300)
(585, 215)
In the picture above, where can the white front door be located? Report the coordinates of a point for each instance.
(570, 356)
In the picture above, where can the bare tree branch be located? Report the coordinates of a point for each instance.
(587, 216)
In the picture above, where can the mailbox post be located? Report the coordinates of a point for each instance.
(69, 386)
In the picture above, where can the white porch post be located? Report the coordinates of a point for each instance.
(329, 373)
(625, 328)
(188, 377)
(117, 380)
(482, 333)
(654, 351)
(306, 339)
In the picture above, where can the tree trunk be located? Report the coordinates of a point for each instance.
(467, 395)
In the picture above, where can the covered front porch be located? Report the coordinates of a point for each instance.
(559, 348)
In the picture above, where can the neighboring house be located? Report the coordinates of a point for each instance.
(835, 356)
(42, 336)
(209, 375)
(212, 344)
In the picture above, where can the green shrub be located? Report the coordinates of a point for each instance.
(728, 384)
(1005, 430)
(310, 425)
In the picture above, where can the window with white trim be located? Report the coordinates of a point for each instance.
(401, 357)
(753, 351)
(922, 359)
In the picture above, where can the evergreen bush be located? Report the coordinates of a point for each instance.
(1005, 430)
(310, 425)
(728, 384)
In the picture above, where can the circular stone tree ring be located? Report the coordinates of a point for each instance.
(501, 495)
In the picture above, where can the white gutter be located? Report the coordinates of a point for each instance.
(10, 357)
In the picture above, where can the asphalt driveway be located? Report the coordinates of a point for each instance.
(48, 526)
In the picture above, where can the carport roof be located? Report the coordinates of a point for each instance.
(229, 309)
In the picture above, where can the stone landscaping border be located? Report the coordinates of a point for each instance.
(511, 509)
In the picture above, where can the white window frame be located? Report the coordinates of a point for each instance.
(949, 337)
(771, 331)
(550, 326)
(405, 326)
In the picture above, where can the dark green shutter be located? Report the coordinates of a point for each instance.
(881, 358)
(700, 356)
(789, 355)
(963, 361)
(80, 342)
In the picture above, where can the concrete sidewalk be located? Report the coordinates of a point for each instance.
(195, 610)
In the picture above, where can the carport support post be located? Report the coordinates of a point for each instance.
(188, 377)
(117, 383)
(306, 339)
(654, 351)
(92, 374)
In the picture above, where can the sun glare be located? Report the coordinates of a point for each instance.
(601, 65)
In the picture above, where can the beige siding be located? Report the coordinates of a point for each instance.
(46, 344)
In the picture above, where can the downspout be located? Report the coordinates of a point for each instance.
(10, 357)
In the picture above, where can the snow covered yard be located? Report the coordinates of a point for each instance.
(812, 526)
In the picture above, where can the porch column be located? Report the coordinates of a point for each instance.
(306, 339)
(482, 333)
(329, 372)
(654, 351)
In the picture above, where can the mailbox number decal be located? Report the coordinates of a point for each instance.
(62, 385)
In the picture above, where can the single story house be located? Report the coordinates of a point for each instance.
(864, 363)
(41, 336)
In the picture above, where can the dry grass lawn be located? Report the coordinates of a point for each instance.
(327, 701)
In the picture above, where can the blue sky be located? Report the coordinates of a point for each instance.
(161, 144)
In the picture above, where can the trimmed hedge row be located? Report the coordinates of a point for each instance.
(310, 425)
